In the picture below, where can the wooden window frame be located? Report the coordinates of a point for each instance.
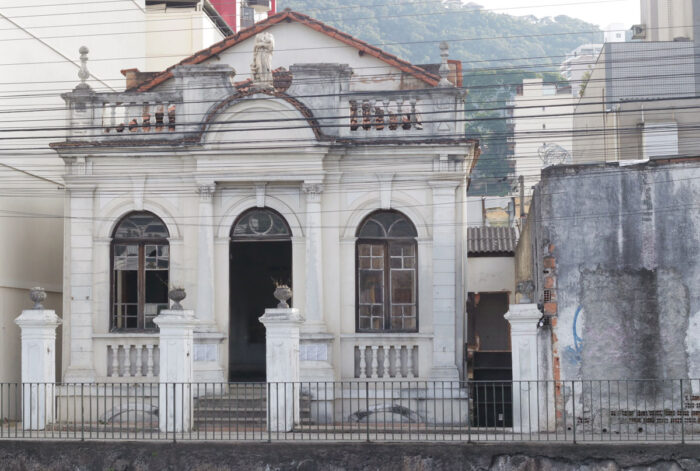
(141, 243)
(386, 243)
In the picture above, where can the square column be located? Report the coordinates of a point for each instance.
(38, 327)
(314, 258)
(205, 258)
(81, 368)
(282, 343)
(207, 338)
(523, 319)
(176, 368)
(445, 260)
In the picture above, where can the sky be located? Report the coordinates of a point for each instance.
(599, 12)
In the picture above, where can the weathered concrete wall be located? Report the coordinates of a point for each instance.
(621, 245)
(55, 456)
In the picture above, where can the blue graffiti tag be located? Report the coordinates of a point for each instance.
(573, 355)
(578, 341)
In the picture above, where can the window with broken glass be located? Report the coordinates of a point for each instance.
(140, 272)
(387, 278)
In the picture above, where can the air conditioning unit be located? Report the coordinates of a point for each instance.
(639, 31)
(260, 6)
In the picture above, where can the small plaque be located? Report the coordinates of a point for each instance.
(205, 352)
(313, 352)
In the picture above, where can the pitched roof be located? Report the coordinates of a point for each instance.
(289, 16)
(491, 240)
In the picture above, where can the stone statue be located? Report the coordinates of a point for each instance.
(261, 67)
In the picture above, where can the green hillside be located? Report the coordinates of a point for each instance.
(497, 50)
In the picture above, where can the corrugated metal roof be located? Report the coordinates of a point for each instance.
(491, 240)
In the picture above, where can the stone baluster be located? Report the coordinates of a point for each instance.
(115, 360)
(113, 116)
(363, 361)
(414, 118)
(372, 113)
(375, 361)
(409, 362)
(127, 360)
(149, 360)
(139, 360)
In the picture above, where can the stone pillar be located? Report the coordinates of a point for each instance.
(314, 258)
(282, 326)
(523, 319)
(205, 259)
(176, 344)
(38, 327)
(79, 324)
(445, 260)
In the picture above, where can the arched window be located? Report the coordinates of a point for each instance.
(387, 277)
(261, 223)
(140, 269)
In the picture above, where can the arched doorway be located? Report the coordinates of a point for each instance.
(261, 256)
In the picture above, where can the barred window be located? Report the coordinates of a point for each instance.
(387, 277)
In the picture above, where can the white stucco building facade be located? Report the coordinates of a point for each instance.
(39, 61)
(345, 178)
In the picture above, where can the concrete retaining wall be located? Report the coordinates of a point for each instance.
(77, 456)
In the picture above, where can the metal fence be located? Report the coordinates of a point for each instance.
(471, 411)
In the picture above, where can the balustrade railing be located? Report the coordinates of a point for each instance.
(137, 113)
(384, 115)
(387, 361)
(130, 359)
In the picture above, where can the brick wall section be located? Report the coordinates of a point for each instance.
(549, 264)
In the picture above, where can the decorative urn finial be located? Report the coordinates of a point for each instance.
(38, 296)
(83, 73)
(176, 295)
(444, 70)
(283, 293)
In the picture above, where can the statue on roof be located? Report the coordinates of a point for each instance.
(261, 67)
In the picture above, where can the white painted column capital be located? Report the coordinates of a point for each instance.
(282, 366)
(38, 327)
(176, 344)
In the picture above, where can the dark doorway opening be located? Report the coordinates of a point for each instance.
(489, 360)
(255, 267)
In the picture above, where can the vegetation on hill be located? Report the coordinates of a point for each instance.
(497, 50)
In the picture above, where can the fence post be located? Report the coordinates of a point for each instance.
(523, 319)
(682, 415)
(38, 326)
(282, 365)
(573, 406)
(176, 339)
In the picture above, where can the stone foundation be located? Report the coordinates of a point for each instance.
(55, 456)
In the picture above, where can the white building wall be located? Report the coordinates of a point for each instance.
(39, 61)
(492, 275)
(667, 20)
(542, 118)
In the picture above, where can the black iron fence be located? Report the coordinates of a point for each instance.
(559, 411)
